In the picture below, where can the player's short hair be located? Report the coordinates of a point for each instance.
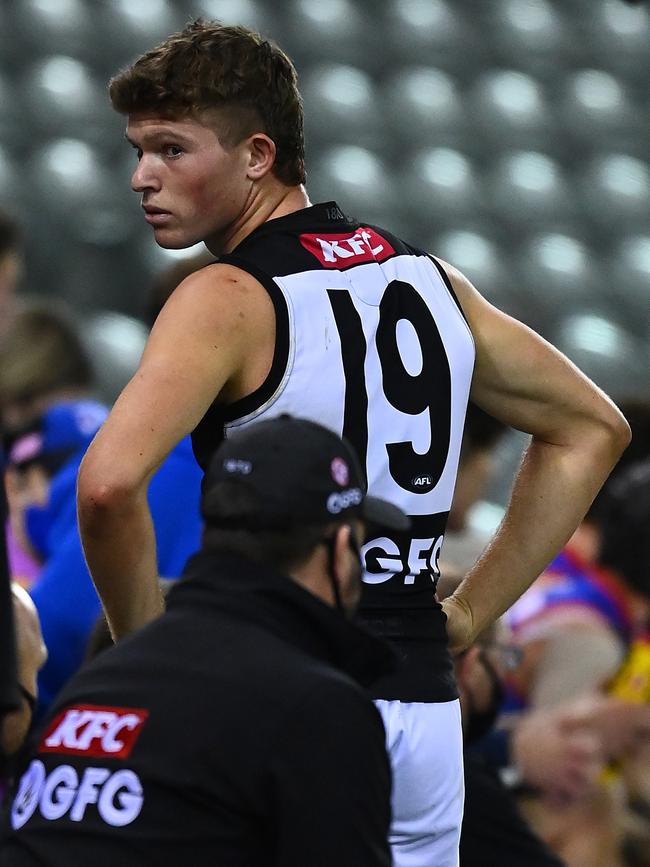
(248, 81)
(279, 548)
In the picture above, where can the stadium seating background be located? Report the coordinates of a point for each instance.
(510, 137)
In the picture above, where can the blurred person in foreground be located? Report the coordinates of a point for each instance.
(10, 697)
(233, 730)
(31, 654)
(45, 394)
(583, 630)
(493, 832)
(317, 314)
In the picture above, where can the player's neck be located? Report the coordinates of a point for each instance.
(278, 201)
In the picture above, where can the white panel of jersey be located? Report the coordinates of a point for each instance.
(384, 340)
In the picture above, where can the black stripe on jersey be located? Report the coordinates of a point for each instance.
(209, 433)
(353, 355)
(267, 389)
(447, 282)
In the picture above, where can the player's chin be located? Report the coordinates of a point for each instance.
(169, 239)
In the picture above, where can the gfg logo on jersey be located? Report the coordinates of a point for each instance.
(116, 796)
(383, 559)
(94, 730)
(334, 251)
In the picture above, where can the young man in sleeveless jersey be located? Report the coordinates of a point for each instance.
(310, 312)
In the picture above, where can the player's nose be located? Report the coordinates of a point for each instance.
(144, 178)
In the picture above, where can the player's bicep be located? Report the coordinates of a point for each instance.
(522, 379)
(192, 351)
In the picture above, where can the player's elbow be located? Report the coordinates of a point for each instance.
(610, 433)
(101, 492)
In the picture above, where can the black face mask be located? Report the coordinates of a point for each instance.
(479, 723)
(330, 543)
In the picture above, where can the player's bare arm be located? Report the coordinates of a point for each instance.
(577, 436)
(215, 319)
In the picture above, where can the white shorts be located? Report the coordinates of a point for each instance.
(425, 744)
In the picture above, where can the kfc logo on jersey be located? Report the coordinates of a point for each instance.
(94, 730)
(334, 251)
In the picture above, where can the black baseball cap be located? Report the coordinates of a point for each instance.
(299, 472)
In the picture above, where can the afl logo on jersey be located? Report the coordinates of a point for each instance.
(340, 472)
(422, 484)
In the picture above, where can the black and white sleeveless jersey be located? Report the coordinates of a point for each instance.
(370, 342)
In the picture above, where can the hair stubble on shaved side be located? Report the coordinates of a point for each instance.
(229, 77)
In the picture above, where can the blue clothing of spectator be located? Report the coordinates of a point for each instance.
(63, 592)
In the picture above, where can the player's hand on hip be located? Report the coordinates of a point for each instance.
(460, 623)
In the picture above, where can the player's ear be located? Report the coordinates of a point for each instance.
(341, 550)
(262, 155)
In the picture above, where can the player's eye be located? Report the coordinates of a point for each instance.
(172, 150)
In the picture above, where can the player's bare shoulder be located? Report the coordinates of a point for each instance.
(468, 296)
(229, 314)
(224, 291)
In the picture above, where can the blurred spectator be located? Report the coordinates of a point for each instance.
(45, 389)
(41, 476)
(493, 830)
(42, 463)
(9, 696)
(583, 629)
(637, 412)
(42, 360)
(481, 437)
(31, 654)
(11, 265)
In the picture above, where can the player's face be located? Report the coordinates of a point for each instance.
(192, 188)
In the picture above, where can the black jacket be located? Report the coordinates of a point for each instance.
(228, 733)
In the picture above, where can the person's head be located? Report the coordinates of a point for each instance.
(624, 520)
(31, 655)
(11, 262)
(216, 117)
(42, 360)
(480, 672)
(35, 455)
(588, 539)
(481, 436)
(289, 494)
